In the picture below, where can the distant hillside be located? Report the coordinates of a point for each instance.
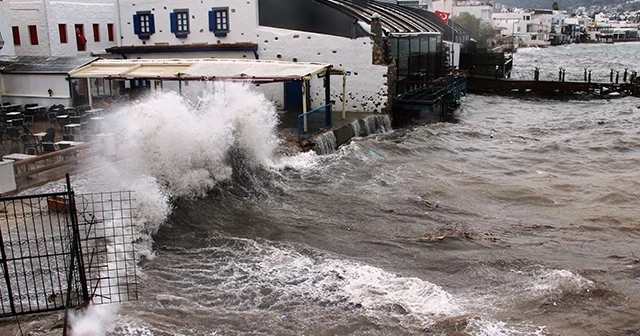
(564, 4)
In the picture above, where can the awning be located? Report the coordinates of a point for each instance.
(201, 69)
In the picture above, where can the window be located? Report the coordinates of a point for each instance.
(33, 35)
(110, 32)
(144, 25)
(81, 41)
(96, 32)
(219, 21)
(16, 35)
(180, 22)
(62, 29)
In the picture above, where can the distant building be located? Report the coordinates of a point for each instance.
(482, 10)
(530, 27)
(603, 29)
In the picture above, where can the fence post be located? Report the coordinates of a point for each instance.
(304, 105)
(7, 279)
(75, 253)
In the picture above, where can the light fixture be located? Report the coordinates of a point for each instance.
(50, 92)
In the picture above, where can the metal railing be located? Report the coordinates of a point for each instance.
(314, 121)
(63, 250)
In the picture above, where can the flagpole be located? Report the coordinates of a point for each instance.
(453, 45)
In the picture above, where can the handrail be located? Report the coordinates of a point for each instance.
(26, 172)
(304, 132)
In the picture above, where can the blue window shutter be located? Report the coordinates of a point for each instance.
(174, 22)
(136, 24)
(152, 24)
(212, 20)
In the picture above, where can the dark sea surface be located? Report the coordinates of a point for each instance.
(520, 218)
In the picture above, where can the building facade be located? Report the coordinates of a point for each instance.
(340, 32)
(62, 28)
(336, 32)
(6, 42)
(482, 10)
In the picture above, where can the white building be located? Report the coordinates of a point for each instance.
(482, 10)
(38, 79)
(531, 27)
(424, 4)
(604, 29)
(328, 31)
(62, 28)
(304, 30)
(6, 42)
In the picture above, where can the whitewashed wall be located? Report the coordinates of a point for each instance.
(84, 12)
(366, 83)
(242, 21)
(483, 13)
(196, 54)
(5, 29)
(32, 88)
(48, 14)
(23, 14)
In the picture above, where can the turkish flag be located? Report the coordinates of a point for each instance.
(443, 16)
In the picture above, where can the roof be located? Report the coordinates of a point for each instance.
(42, 64)
(201, 69)
(397, 18)
(352, 18)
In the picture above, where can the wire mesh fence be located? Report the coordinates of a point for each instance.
(107, 236)
(62, 250)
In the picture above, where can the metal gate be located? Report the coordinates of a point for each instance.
(61, 250)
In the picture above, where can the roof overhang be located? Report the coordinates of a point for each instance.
(180, 48)
(255, 71)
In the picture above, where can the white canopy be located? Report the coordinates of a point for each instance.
(201, 69)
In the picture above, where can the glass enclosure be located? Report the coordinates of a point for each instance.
(419, 58)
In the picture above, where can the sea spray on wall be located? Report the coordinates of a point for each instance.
(172, 146)
(325, 143)
(184, 144)
(376, 124)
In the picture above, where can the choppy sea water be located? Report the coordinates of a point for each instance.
(521, 218)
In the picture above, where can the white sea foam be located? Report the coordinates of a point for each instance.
(552, 281)
(94, 321)
(484, 327)
(271, 278)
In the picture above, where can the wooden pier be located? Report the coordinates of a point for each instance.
(510, 86)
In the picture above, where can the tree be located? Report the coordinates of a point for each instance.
(555, 6)
(480, 31)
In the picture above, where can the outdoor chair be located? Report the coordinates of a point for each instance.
(49, 147)
(2, 138)
(17, 122)
(13, 135)
(29, 144)
(62, 121)
(50, 136)
(65, 156)
(53, 113)
(29, 115)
